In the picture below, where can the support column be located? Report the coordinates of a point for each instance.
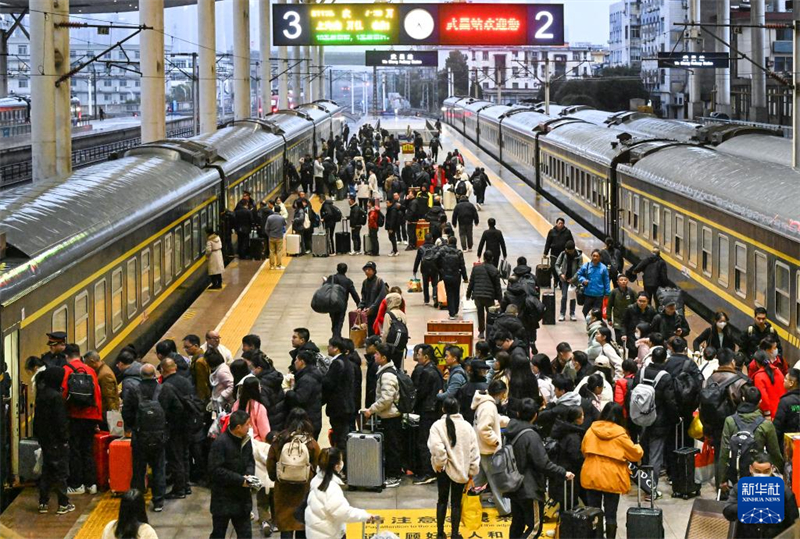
(265, 46)
(43, 90)
(63, 93)
(758, 91)
(321, 68)
(151, 13)
(3, 64)
(695, 100)
(724, 75)
(283, 77)
(296, 69)
(207, 64)
(306, 74)
(241, 59)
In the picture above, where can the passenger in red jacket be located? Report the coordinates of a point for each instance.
(622, 385)
(83, 421)
(770, 346)
(769, 381)
(375, 221)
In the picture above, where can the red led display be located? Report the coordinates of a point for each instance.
(485, 24)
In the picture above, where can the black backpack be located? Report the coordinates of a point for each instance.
(408, 393)
(194, 410)
(337, 213)
(429, 254)
(398, 333)
(534, 308)
(687, 387)
(381, 219)
(742, 447)
(151, 421)
(80, 387)
(358, 217)
(461, 188)
(715, 405)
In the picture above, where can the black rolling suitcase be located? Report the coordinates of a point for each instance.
(549, 300)
(580, 522)
(258, 246)
(411, 460)
(343, 239)
(683, 483)
(644, 522)
(544, 273)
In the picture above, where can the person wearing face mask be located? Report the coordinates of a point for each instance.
(769, 380)
(328, 510)
(638, 313)
(761, 467)
(770, 347)
(718, 335)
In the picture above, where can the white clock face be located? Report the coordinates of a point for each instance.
(418, 24)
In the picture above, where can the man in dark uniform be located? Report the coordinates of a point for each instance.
(57, 341)
(756, 333)
(556, 242)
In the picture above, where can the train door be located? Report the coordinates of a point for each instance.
(11, 421)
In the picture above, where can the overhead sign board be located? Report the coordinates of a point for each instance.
(694, 60)
(458, 24)
(402, 59)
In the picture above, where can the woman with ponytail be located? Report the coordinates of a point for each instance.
(455, 459)
(328, 511)
(769, 381)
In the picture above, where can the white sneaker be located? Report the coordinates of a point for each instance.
(91, 490)
(561, 318)
(280, 268)
(78, 490)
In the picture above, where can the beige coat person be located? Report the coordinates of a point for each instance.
(214, 254)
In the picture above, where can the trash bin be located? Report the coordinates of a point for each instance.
(423, 227)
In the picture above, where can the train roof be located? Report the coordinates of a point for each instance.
(239, 143)
(768, 148)
(526, 121)
(586, 140)
(756, 191)
(290, 122)
(317, 114)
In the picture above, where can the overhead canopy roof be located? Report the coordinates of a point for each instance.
(92, 6)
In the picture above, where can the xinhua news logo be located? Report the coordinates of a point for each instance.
(760, 500)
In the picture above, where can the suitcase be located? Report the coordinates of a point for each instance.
(441, 295)
(449, 200)
(412, 461)
(544, 273)
(549, 300)
(450, 326)
(319, 245)
(258, 247)
(343, 239)
(293, 245)
(706, 520)
(581, 522)
(120, 466)
(27, 460)
(368, 250)
(683, 483)
(644, 522)
(102, 440)
(365, 458)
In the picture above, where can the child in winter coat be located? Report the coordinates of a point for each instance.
(568, 432)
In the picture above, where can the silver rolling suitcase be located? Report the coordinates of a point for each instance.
(319, 245)
(365, 458)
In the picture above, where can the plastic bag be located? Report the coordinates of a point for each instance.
(414, 285)
(704, 464)
(696, 428)
(116, 427)
(471, 510)
(37, 467)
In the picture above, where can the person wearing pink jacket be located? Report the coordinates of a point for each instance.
(250, 401)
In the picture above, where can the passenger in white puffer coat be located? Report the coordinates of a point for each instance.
(328, 511)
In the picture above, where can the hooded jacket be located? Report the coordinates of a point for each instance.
(328, 512)
(307, 394)
(488, 423)
(229, 460)
(570, 437)
(428, 381)
(93, 413)
(393, 303)
(129, 378)
(569, 265)
(337, 388)
(484, 283)
(387, 393)
(50, 422)
(464, 215)
(557, 410)
(216, 265)
(765, 437)
(607, 450)
(598, 282)
(556, 240)
(655, 271)
(532, 461)
(459, 462)
(787, 418)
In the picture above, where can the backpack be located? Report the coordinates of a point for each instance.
(643, 401)
(552, 448)
(359, 217)
(687, 388)
(294, 465)
(715, 405)
(337, 213)
(534, 308)
(407, 391)
(299, 221)
(398, 333)
(323, 363)
(194, 413)
(742, 447)
(429, 254)
(506, 475)
(381, 219)
(461, 188)
(80, 387)
(151, 421)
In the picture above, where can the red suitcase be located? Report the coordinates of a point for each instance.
(102, 440)
(120, 465)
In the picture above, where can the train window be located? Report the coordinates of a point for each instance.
(99, 312)
(646, 218)
(131, 287)
(145, 276)
(636, 213)
(196, 237)
(116, 299)
(629, 207)
(667, 230)
(679, 235)
(692, 254)
(656, 222)
(761, 279)
(706, 247)
(740, 269)
(724, 260)
(157, 267)
(782, 292)
(187, 243)
(167, 258)
(60, 319)
(82, 319)
(203, 225)
(178, 251)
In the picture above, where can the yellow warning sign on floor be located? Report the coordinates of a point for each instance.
(421, 524)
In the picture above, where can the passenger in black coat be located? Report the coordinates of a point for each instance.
(510, 322)
(179, 433)
(569, 435)
(307, 390)
(787, 417)
(341, 278)
(465, 216)
(272, 394)
(337, 393)
(355, 362)
(243, 219)
(493, 240)
(371, 378)
(639, 312)
(51, 428)
(556, 241)
(655, 273)
(484, 287)
(229, 462)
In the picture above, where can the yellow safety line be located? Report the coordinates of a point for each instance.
(104, 512)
